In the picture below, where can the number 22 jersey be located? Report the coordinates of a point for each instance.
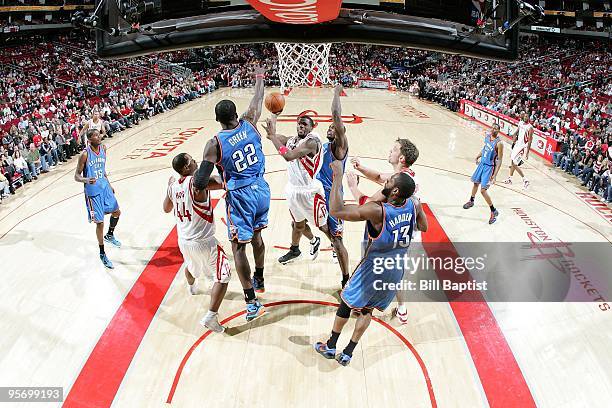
(242, 160)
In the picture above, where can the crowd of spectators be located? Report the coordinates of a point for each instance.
(47, 97)
(564, 86)
(55, 86)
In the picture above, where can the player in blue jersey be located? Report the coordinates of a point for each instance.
(335, 149)
(389, 227)
(489, 161)
(99, 194)
(237, 152)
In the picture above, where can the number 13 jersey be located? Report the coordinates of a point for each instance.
(241, 160)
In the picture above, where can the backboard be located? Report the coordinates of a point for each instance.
(479, 28)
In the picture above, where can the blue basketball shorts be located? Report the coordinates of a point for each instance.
(335, 225)
(101, 204)
(483, 175)
(247, 210)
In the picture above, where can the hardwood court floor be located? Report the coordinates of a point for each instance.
(131, 336)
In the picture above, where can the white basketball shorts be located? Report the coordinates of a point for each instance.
(307, 204)
(206, 257)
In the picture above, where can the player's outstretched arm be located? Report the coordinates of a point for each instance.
(421, 218)
(279, 141)
(340, 142)
(78, 173)
(310, 147)
(337, 207)
(369, 173)
(352, 180)
(253, 113)
(210, 157)
(214, 183)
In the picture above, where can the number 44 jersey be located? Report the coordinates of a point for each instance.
(194, 219)
(241, 161)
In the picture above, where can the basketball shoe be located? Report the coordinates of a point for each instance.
(258, 284)
(493, 216)
(211, 321)
(106, 261)
(401, 313)
(293, 254)
(112, 240)
(469, 204)
(254, 310)
(343, 359)
(314, 247)
(325, 351)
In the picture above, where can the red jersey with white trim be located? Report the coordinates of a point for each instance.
(194, 219)
(303, 172)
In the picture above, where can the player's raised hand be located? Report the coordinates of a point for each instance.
(352, 179)
(355, 162)
(270, 125)
(337, 168)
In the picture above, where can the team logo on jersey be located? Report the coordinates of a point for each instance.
(348, 120)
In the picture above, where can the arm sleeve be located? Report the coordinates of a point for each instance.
(202, 175)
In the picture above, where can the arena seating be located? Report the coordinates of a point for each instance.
(52, 87)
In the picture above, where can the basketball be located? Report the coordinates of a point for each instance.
(275, 102)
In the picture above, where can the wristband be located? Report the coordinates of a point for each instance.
(282, 150)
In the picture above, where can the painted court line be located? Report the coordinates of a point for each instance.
(500, 375)
(104, 370)
(415, 353)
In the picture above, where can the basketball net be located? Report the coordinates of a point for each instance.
(303, 64)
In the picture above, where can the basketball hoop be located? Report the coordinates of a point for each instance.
(303, 64)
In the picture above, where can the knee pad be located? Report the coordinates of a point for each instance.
(343, 311)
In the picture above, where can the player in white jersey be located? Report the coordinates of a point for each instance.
(521, 145)
(403, 155)
(95, 122)
(304, 192)
(195, 225)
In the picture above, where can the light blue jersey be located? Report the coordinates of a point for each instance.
(242, 166)
(489, 151)
(99, 197)
(368, 287)
(95, 167)
(484, 171)
(242, 160)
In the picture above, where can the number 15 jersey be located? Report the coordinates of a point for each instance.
(242, 160)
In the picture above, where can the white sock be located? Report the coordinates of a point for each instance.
(210, 314)
(401, 309)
